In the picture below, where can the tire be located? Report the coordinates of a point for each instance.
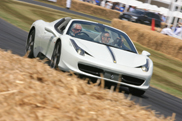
(56, 55)
(30, 44)
(136, 92)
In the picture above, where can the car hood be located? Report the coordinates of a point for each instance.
(102, 52)
(133, 14)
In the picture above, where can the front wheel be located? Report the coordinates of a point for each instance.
(136, 92)
(30, 44)
(56, 56)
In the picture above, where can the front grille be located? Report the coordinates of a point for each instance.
(97, 71)
(132, 80)
(90, 69)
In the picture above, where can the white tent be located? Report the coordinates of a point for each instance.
(164, 1)
(134, 3)
(177, 14)
(144, 6)
(164, 11)
(153, 8)
(123, 1)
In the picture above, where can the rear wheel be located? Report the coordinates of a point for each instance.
(136, 92)
(56, 56)
(30, 44)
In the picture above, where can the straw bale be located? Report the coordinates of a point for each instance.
(82, 6)
(61, 3)
(90, 8)
(31, 90)
(152, 39)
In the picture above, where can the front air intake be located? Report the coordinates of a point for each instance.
(132, 80)
(90, 69)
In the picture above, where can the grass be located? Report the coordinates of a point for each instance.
(23, 15)
(167, 70)
(52, 3)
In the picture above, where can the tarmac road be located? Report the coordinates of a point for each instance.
(13, 38)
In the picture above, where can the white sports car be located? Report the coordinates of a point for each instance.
(91, 49)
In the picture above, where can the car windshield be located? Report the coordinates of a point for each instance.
(139, 12)
(101, 34)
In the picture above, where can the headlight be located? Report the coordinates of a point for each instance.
(79, 50)
(134, 17)
(145, 67)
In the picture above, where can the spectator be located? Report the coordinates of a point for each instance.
(116, 6)
(167, 31)
(178, 29)
(128, 8)
(103, 2)
(131, 8)
(108, 4)
(122, 8)
(97, 2)
(163, 18)
(68, 4)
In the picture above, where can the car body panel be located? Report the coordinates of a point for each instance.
(113, 62)
(145, 18)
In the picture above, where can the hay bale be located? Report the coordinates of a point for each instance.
(31, 90)
(61, 3)
(90, 8)
(80, 6)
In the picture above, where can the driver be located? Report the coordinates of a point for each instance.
(76, 29)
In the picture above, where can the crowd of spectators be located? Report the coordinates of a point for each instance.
(171, 31)
(108, 4)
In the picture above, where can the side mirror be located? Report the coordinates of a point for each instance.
(50, 30)
(145, 53)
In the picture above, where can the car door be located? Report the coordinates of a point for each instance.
(51, 33)
(46, 41)
(48, 38)
(147, 18)
(157, 20)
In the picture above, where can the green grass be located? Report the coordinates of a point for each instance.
(23, 15)
(52, 3)
(167, 75)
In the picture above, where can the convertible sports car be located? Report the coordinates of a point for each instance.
(77, 45)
